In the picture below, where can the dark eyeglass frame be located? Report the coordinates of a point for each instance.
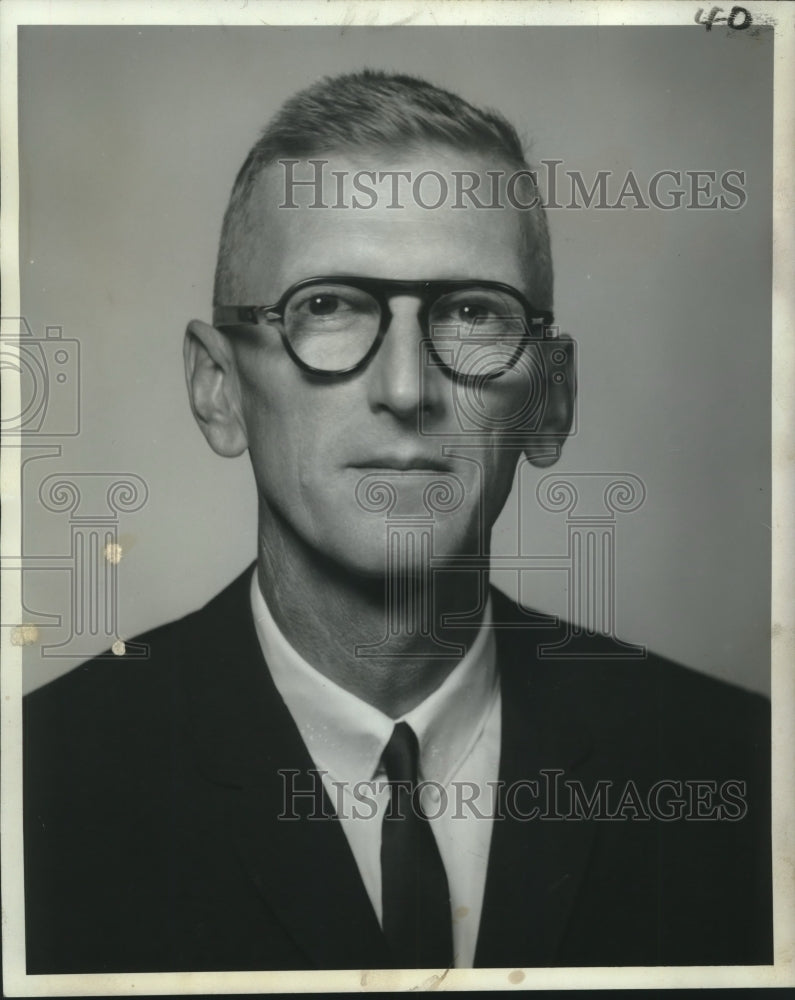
(382, 290)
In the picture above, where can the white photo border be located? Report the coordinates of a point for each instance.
(781, 17)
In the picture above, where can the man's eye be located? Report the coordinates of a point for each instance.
(329, 309)
(323, 305)
(473, 312)
(469, 312)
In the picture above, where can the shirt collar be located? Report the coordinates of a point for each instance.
(346, 736)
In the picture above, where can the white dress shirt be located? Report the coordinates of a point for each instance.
(458, 731)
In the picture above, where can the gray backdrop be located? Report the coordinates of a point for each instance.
(129, 142)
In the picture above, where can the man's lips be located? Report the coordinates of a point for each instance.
(400, 463)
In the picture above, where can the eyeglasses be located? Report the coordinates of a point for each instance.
(333, 326)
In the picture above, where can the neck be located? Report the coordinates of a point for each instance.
(338, 621)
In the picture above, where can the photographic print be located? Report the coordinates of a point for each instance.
(395, 560)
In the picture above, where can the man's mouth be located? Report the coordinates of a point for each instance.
(401, 463)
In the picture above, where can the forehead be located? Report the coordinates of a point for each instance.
(391, 216)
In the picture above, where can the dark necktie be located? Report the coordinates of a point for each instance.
(415, 894)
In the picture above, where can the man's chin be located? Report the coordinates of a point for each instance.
(399, 550)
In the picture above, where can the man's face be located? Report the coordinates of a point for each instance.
(313, 441)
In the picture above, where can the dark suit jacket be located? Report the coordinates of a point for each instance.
(153, 841)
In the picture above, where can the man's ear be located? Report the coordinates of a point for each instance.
(545, 442)
(213, 388)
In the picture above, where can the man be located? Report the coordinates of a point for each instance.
(358, 755)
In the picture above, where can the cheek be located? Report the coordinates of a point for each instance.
(290, 430)
(265, 409)
(492, 483)
(517, 406)
(506, 407)
(499, 476)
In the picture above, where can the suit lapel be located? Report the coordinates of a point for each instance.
(535, 866)
(245, 741)
(247, 745)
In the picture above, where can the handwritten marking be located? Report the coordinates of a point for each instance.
(732, 20)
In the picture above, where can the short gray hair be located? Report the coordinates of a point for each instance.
(377, 110)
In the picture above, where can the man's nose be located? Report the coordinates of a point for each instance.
(400, 378)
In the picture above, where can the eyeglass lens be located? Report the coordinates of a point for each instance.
(476, 330)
